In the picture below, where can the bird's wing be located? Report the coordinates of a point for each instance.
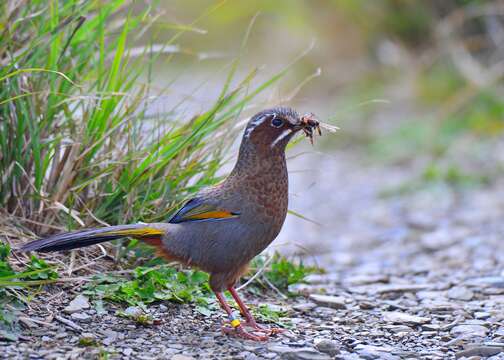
(197, 209)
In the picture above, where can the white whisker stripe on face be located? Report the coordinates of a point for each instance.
(255, 124)
(280, 137)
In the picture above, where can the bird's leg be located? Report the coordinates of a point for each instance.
(249, 317)
(236, 326)
(243, 309)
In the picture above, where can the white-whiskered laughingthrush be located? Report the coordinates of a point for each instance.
(225, 226)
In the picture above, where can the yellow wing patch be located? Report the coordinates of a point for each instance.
(211, 215)
(138, 232)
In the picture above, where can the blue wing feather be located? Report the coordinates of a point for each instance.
(195, 209)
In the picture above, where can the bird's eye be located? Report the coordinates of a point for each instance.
(276, 122)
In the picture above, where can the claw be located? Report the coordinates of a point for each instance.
(264, 330)
(240, 332)
(237, 328)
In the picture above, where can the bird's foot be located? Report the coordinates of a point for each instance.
(239, 331)
(262, 329)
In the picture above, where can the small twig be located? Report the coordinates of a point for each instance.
(259, 272)
(90, 213)
(282, 295)
(52, 297)
(73, 213)
(68, 323)
(27, 320)
(468, 66)
(72, 262)
(103, 250)
(73, 279)
(298, 88)
(455, 322)
(60, 228)
(92, 262)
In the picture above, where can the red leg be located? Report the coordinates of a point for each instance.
(236, 327)
(248, 316)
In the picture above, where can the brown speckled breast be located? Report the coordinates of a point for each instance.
(257, 190)
(263, 191)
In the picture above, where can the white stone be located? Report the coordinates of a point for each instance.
(397, 317)
(335, 302)
(78, 304)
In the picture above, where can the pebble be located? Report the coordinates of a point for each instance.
(110, 333)
(334, 302)
(404, 318)
(480, 351)
(500, 331)
(430, 295)
(482, 315)
(269, 355)
(304, 354)
(81, 317)
(367, 305)
(305, 307)
(442, 238)
(460, 293)
(440, 306)
(366, 279)
(489, 281)
(371, 352)
(279, 349)
(469, 330)
(394, 288)
(80, 303)
(327, 346)
(317, 279)
(399, 328)
(431, 327)
(181, 357)
(421, 221)
(246, 355)
(133, 311)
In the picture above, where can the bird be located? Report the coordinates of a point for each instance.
(223, 227)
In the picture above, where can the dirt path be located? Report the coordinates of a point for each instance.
(424, 278)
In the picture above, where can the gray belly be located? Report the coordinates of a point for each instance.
(219, 246)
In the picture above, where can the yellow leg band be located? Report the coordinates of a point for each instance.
(235, 323)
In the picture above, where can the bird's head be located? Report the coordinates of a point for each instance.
(270, 130)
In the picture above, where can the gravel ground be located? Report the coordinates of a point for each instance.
(423, 280)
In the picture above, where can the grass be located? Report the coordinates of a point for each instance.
(86, 341)
(12, 283)
(37, 271)
(147, 285)
(78, 148)
(151, 284)
(280, 272)
(76, 144)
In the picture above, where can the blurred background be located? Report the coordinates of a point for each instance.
(415, 86)
(118, 112)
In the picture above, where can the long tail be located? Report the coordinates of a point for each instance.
(82, 238)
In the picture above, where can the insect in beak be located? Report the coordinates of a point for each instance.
(309, 124)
